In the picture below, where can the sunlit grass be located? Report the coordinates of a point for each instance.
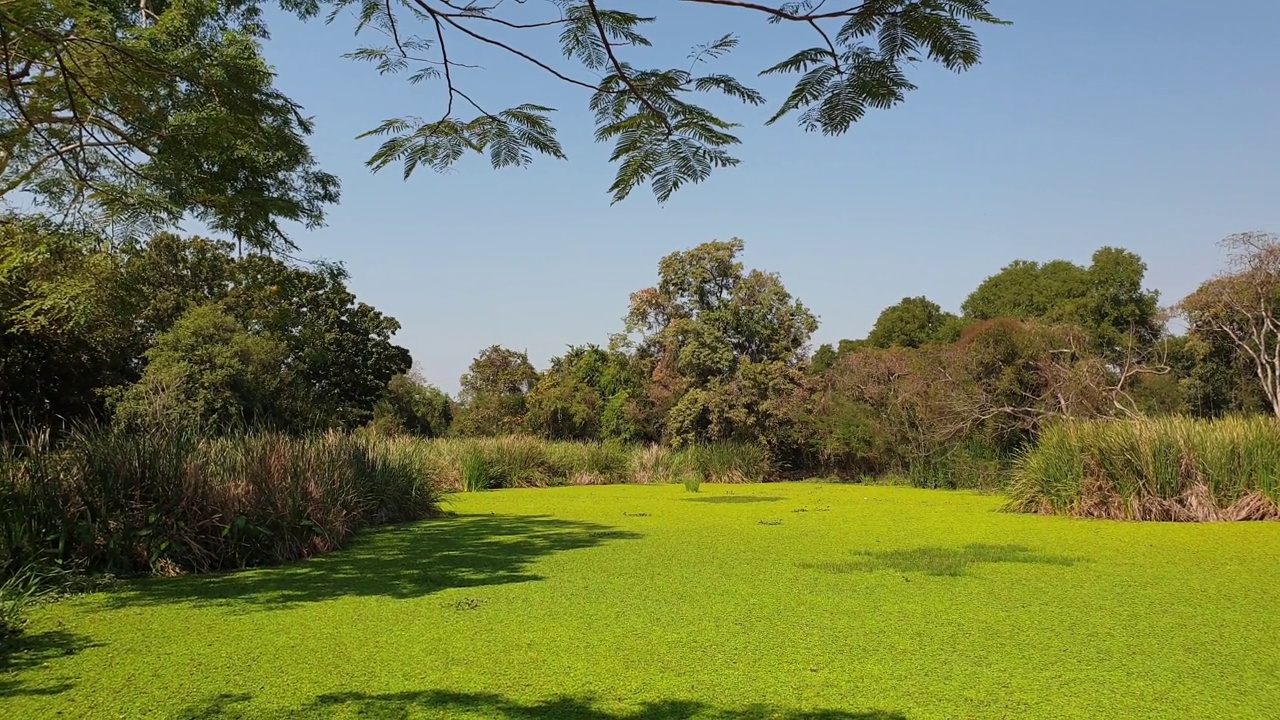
(472, 464)
(1167, 468)
(800, 601)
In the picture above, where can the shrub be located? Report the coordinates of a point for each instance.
(31, 583)
(970, 466)
(1154, 469)
(471, 464)
(475, 473)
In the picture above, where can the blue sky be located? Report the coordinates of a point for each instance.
(1147, 124)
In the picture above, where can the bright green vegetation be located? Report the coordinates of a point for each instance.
(1155, 469)
(626, 602)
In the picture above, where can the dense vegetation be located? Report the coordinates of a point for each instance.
(169, 501)
(717, 353)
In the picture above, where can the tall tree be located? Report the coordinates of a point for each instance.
(65, 325)
(1106, 298)
(78, 316)
(495, 391)
(584, 396)
(913, 322)
(1028, 290)
(339, 347)
(1242, 307)
(409, 405)
(718, 342)
(142, 112)
(208, 370)
(856, 58)
(823, 359)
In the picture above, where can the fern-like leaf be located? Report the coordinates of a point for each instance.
(511, 139)
(730, 86)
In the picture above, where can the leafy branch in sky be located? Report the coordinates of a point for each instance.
(660, 133)
(137, 114)
(134, 115)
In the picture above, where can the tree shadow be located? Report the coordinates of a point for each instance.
(440, 703)
(398, 561)
(730, 499)
(32, 650)
(940, 561)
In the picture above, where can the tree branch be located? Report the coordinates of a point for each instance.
(622, 74)
(782, 15)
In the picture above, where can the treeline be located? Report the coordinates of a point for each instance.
(717, 353)
(181, 331)
(188, 332)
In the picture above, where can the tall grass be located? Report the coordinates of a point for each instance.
(17, 592)
(171, 501)
(968, 466)
(470, 464)
(729, 462)
(1154, 469)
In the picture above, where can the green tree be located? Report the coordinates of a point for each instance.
(1116, 307)
(339, 348)
(1214, 378)
(823, 359)
(78, 314)
(65, 329)
(495, 391)
(712, 336)
(169, 274)
(1106, 299)
(409, 405)
(1240, 309)
(562, 407)
(584, 396)
(208, 370)
(141, 113)
(913, 322)
(856, 58)
(1028, 290)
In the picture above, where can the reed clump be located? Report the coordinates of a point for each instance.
(1172, 469)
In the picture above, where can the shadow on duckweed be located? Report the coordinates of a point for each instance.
(400, 561)
(32, 650)
(941, 561)
(732, 499)
(445, 704)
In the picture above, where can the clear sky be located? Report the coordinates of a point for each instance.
(1147, 124)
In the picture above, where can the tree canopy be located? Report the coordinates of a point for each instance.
(494, 392)
(1240, 308)
(134, 115)
(913, 322)
(1106, 298)
(83, 320)
(857, 58)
